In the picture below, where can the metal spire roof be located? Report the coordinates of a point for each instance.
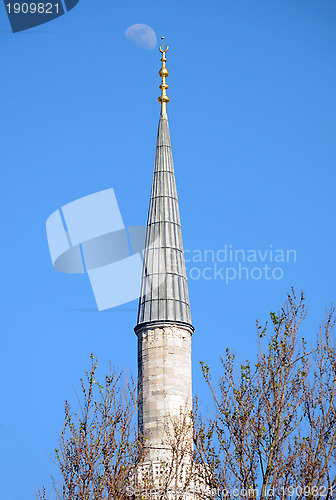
(164, 290)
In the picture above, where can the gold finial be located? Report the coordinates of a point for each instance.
(163, 73)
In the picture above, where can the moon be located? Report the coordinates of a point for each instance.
(142, 36)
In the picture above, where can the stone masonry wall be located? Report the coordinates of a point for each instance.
(164, 371)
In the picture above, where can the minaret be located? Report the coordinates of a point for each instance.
(164, 326)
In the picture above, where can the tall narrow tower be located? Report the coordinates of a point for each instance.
(164, 326)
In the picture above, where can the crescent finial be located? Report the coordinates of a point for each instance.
(161, 46)
(163, 99)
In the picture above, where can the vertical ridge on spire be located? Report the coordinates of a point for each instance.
(164, 289)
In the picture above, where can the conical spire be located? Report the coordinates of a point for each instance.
(164, 291)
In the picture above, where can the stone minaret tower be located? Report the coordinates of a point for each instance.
(164, 326)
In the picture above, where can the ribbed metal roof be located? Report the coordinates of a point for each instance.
(164, 289)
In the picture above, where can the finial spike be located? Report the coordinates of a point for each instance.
(163, 99)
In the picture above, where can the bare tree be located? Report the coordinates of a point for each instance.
(98, 446)
(100, 456)
(274, 431)
(271, 435)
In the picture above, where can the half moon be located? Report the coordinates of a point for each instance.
(142, 36)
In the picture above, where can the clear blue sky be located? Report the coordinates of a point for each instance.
(252, 119)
